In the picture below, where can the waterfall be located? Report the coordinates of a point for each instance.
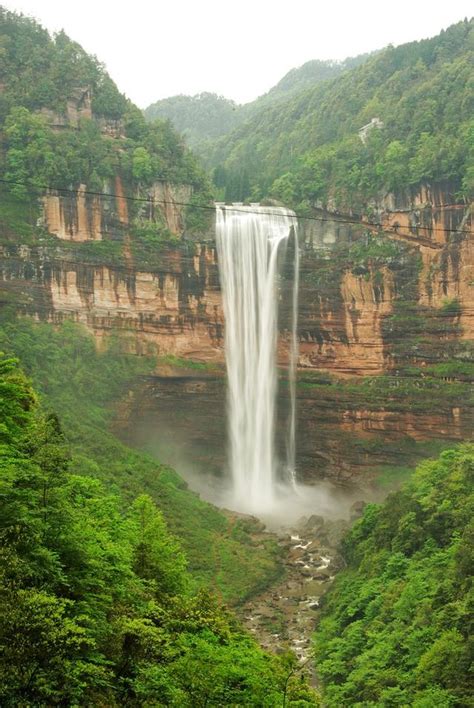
(249, 241)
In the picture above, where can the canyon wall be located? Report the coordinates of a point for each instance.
(369, 304)
(179, 415)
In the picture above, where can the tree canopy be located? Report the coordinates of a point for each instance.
(96, 607)
(396, 625)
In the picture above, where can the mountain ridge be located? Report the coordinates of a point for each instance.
(206, 116)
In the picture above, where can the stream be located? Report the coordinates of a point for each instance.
(284, 616)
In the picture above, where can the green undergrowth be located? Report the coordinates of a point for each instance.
(182, 363)
(391, 477)
(426, 390)
(395, 625)
(84, 387)
(18, 217)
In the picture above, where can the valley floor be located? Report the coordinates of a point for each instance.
(283, 617)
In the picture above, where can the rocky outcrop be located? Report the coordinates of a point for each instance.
(174, 307)
(170, 200)
(78, 107)
(79, 218)
(150, 310)
(174, 310)
(180, 413)
(447, 281)
(427, 214)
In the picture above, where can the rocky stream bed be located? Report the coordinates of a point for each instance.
(284, 616)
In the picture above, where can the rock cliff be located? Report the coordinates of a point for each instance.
(377, 295)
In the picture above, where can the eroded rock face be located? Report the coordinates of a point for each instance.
(180, 415)
(447, 280)
(78, 219)
(346, 336)
(86, 216)
(352, 320)
(176, 308)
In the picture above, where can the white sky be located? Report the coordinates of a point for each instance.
(158, 48)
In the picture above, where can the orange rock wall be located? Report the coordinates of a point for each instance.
(353, 342)
(86, 216)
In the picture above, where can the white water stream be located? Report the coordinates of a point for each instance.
(249, 243)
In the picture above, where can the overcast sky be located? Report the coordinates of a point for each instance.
(158, 48)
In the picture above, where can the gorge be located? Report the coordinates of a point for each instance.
(396, 305)
(218, 374)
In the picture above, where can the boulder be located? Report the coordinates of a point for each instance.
(314, 522)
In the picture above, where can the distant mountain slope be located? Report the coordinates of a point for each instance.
(304, 77)
(206, 116)
(203, 116)
(307, 149)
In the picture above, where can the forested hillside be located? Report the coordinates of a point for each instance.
(64, 123)
(396, 627)
(307, 150)
(115, 577)
(199, 118)
(83, 387)
(97, 607)
(206, 117)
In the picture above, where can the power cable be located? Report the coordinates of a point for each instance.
(242, 209)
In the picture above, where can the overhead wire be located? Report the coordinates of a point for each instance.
(39, 188)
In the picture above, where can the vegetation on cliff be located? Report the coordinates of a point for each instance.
(396, 624)
(82, 386)
(307, 150)
(64, 123)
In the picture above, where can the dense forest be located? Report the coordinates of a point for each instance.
(63, 123)
(306, 151)
(199, 118)
(99, 602)
(396, 628)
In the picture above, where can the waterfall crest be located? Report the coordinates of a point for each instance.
(249, 241)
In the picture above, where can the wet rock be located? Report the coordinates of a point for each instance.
(334, 531)
(291, 606)
(295, 553)
(314, 522)
(323, 575)
(307, 572)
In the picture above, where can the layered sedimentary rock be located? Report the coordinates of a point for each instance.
(405, 299)
(345, 335)
(173, 304)
(174, 310)
(90, 216)
(179, 414)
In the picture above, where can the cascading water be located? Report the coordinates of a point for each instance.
(249, 241)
